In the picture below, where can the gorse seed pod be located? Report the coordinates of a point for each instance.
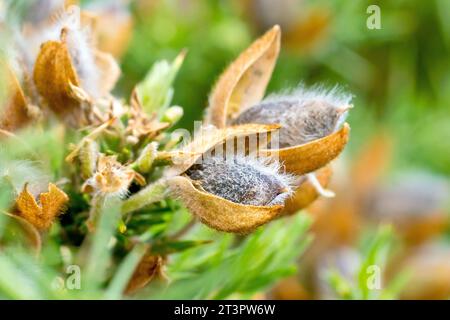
(242, 180)
(304, 115)
(236, 99)
(69, 73)
(67, 24)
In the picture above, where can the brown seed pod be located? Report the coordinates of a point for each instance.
(208, 138)
(313, 155)
(70, 74)
(53, 75)
(213, 210)
(306, 193)
(241, 86)
(219, 213)
(244, 82)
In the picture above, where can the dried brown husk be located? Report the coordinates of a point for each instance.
(244, 82)
(41, 215)
(53, 75)
(219, 213)
(149, 267)
(58, 83)
(15, 113)
(313, 155)
(242, 85)
(305, 194)
(216, 212)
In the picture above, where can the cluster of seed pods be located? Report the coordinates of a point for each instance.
(241, 191)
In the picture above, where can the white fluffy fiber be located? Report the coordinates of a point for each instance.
(304, 114)
(335, 96)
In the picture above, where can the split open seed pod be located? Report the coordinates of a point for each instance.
(59, 83)
(208, 138)
(306, 193)
(244, 82)
(53, 75)
(243, 85)
(219, 213)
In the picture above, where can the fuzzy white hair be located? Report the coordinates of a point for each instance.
(20, 172)
(270, 166)
(244, 180)
(304, 114)
(335, 96)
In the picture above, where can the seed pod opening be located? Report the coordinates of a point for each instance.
(207, 139)
(311, 132)
(303, 115)
(237, 195)
(310, 138)
(219, 213)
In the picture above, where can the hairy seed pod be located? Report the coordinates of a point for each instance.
(304, 116)
(242, 180)
(236, 98)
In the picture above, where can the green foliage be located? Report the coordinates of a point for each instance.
(201, 269)
(212, 33)
(374, 259)
(233, 266)
(155, 91)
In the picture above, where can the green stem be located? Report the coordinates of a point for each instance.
(98, 202)
(152, 193)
